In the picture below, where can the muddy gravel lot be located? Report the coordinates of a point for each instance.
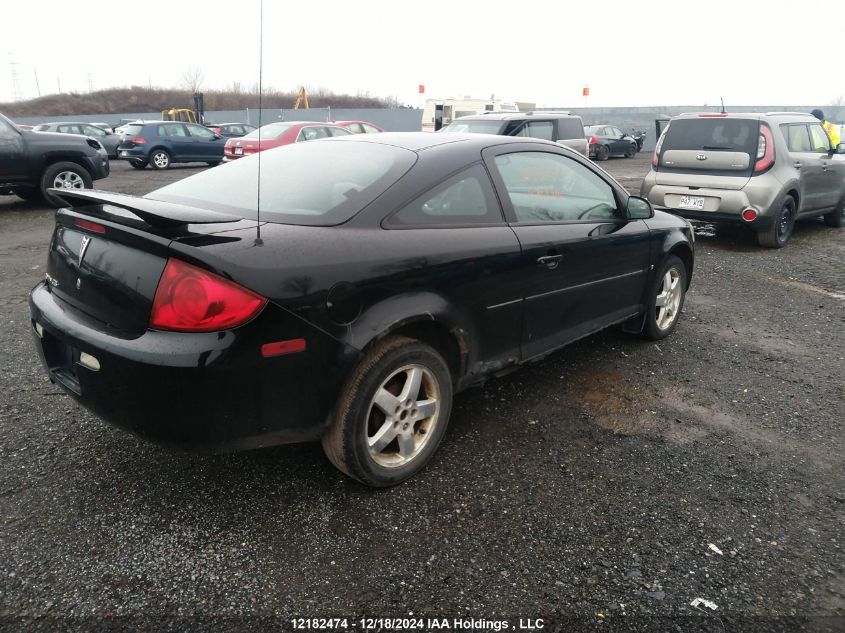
(606, 487)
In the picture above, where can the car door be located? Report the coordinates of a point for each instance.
(584, 263)
(806, 162)
(108, 141)
(12, 164)
(182, 146)
(832, 176)
(207, 145)
(619, 145)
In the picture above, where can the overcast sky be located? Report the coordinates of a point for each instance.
(635, 52)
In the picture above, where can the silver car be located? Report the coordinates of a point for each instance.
(108, 140)
(762, 170)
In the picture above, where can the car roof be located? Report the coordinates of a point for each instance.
(747, 115)
(516, 116)
(419, 141)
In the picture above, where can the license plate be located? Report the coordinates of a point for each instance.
(239, 151)
(691, 202)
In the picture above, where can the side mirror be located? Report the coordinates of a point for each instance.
(840, 149)
(639, 208)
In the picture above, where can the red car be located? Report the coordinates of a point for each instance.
(359, 127)
(276, 134)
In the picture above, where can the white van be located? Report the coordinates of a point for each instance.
(454, 108)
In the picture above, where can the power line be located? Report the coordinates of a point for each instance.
(15, 76)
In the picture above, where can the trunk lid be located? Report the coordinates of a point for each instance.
(708, 151)
(106, 260)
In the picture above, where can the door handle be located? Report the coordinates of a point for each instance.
(797, 165)
(550, 261)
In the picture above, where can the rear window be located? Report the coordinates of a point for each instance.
(474, 127)
(320, 183)
(133, 130)
(730, 135)
(271, 130)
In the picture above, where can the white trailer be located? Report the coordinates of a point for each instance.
(454, 108)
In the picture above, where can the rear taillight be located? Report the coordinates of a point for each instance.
(594, 140)
(139, 140)
(655, 159)
(190, 299)
(765, 150)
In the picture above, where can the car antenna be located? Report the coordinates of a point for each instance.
(258, 240)
(722, 99)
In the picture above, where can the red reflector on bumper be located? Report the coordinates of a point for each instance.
(89, 226)
(280, 348)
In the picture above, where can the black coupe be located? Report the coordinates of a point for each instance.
(345, 289)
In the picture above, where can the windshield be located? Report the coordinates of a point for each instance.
(320, 183)
(271, 130)
(474, 127)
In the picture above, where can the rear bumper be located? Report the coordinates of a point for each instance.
(207, 392)
(762, 222)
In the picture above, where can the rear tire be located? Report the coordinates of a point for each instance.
(138, 164)
(836, 218)
(380, 434)
(602, 152)
(159, 159)
(64, 175)
(665, 299)
(778, 234)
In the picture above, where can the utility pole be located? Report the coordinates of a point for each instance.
(59, 84)
(90, 83)
(37, 86)
(13, 73)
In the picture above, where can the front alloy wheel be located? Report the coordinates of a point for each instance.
(668, 291)
(391, 414)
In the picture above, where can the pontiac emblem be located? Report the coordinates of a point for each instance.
(84, 247)
(701, 157)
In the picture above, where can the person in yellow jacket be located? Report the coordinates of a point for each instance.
(831, 128)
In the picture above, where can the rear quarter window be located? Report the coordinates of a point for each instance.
(133, 130)
(570, 129)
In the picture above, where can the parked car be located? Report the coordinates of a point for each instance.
(639, 137)
(560, 127)
(162, 143)
(278, 134)
(760, 170)
(108, 140)
(24, 126)
(607, 140)
(33, 163)
(231, 130)
(359, 127)
(394, 271)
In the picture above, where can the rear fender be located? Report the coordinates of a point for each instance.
(396, 312)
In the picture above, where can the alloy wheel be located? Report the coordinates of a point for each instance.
(161, 160)
(668, 302)
(68, 180)
(402, 416)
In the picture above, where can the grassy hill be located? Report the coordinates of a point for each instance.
(141, 99)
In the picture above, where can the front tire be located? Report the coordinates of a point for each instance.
(159, 159)
(632, 151)
(391, 414)
(666, 299)
(64, 175)
(778, 234)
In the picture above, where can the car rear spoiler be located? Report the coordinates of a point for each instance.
(154, 212)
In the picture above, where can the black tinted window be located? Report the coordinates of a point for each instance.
(569, 128)
(712, 133)
(466, 198)
(316, 184)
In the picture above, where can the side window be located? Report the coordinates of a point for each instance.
(819, 140)
(93, 130)
(369, 129)
(466, 198)
(797, 137)
(198, 131)
(338, 131)
(237, 130)
(74, 129)
(312, 133)
(535, 129)
(175, 130)
(547, 188)
(616, 132)
(570, 129)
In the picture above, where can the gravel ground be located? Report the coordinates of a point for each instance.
(606, 487)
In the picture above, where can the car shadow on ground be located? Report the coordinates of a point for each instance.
(738, 238)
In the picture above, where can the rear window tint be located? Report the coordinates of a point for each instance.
(133, 130)
(731, 135)
(320, 183)
(570, 128)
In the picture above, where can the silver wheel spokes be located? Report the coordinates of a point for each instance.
(160, 160)
(668, 301)
(68, 180)
(402, 416)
